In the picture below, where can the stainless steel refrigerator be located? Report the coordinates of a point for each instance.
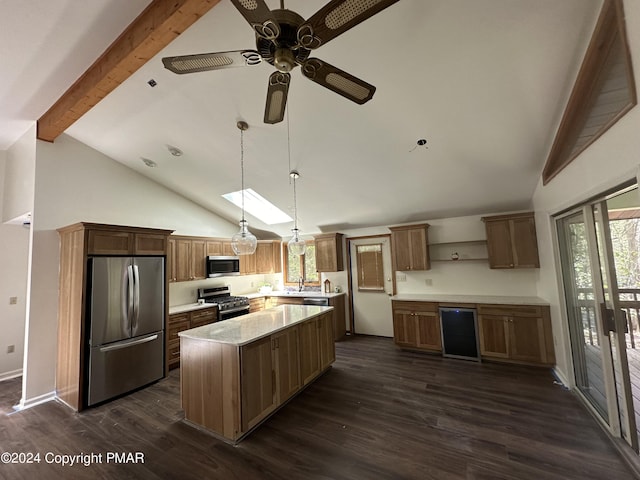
(125, 337)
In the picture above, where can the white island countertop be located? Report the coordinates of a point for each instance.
(484, 299)
(253, 326)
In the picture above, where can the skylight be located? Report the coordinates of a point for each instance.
(256, 205)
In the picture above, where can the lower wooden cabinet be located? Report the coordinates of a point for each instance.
(417, 325)
(250, 382)
(185, 321)
(309, 351)
(509, 333)
(516, 333)
(286, 364)
(256, 304)
(258, 385)
(339, 310)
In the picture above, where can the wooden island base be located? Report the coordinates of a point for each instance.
(236, 373)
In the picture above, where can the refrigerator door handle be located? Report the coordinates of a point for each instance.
(120, 346)
(124, 300)
(130, 296)
(136, 299)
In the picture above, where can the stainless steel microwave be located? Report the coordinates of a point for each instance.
(222, 266)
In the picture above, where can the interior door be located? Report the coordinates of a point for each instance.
(370, 259)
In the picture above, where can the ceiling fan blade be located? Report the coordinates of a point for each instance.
(203, 62)
(338, 80)
(259, 17)
(276, 97)
(335, 18)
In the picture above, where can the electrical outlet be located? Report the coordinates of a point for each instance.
(401, 277)
(428, 282)
(11, 348)
(252, 285)
(13, 300)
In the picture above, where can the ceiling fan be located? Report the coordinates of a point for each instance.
(285, 40)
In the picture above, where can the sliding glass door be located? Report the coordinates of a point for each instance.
(598, 325)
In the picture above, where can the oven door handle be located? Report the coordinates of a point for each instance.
(235, 309)
(222, 313)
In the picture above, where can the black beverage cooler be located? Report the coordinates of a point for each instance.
(459, 333)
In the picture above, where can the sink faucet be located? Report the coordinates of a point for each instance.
(300, 284)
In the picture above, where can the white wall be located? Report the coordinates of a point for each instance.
(472, 278)
(17, 167)
(19, 177)
(13, 283)
(183, 293)
(76, 183)
(613, 158)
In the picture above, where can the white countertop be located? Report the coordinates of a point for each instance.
(486, 299)
(189, 307)
(303, 294)
(253, 326)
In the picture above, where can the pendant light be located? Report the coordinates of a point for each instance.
(296, 245)
(244, 242)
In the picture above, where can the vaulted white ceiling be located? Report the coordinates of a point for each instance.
(483, 81)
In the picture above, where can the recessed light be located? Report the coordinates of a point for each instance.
(175, 151)
(149, 163)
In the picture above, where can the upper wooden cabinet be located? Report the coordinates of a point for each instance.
(409, 247)
(266, 259)
(329, 252)
(268, 256)
(187, 259)
(119, 240)
(512, 241)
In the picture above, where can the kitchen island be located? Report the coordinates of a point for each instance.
(236, 373)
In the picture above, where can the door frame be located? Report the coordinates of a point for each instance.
(350, 274)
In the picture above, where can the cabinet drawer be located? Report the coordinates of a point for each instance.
(415, 306)
(256, 304)
(173, 353)
(175, 327)
(510, 310)
(206, 315)
(275, 301)
(177, 317)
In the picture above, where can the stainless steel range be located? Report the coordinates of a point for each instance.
(228, 306)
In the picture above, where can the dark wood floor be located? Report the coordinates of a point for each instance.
(378, 414)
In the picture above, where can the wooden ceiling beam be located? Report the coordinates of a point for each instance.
(157, 26)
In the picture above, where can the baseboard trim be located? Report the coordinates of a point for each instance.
(9, 375)
(561, 378)
(32, 402)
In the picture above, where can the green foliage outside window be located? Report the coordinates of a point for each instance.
(302, 266)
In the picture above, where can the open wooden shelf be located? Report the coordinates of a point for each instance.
(468, 251)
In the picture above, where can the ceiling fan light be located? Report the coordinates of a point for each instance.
(244, 242)
(296, 245)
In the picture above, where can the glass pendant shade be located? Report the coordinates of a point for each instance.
(296, 245)
(244, 242)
